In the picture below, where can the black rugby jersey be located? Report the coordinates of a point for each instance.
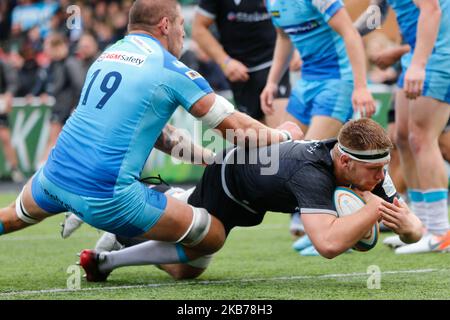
(300, 179)
(245, 29)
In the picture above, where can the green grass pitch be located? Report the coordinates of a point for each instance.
(255, 263)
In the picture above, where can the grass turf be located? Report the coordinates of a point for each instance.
(255, 263)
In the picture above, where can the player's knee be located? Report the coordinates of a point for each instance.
(21, 213)
(416, 142)
(205, 232)
(401, 139)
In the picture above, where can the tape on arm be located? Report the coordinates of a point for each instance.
(220, 109)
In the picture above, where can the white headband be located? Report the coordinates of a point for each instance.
(370, 156)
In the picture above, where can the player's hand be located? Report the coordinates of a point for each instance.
(266, 98)
(363, 102)
(401, 220)
(235, 71)
(413, 83)
(70, 224)
(371, 199)
(293, 129)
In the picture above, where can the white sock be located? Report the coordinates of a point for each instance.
(417, 205)
(149, 252)
(421, 211)
(437, 210)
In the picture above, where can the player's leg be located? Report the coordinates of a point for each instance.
(189, 270)
(407, 160)
(394, 165)
(289, 117)
(323, 127)
(178, 233)
(31, 206)
(444, 142)
(428, 116)
(298, 111)
(192, 269)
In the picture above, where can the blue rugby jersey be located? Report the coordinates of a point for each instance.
(130, 93)
(407, 17)
(322, 49)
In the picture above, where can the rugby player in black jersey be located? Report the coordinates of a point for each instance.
(240, 187)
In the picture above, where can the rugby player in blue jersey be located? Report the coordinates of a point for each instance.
(130, 93)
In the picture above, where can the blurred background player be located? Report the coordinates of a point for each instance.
(422, 112)
(8, 87)
(333, 76)
(244, 51)
(62, 83)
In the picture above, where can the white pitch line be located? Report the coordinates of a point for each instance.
(56, 236)
(214, 282)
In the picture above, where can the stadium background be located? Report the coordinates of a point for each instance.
(255, 263)
(29, 120)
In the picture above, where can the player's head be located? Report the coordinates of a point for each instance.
(362, 152)
(56, 47)
(87, 47)
(162, 19)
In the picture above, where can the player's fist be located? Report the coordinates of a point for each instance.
(293, 129)
(235, 71)
(413, 83)
(363, 102)
(267, 96)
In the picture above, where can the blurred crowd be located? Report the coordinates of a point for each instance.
(30, 30)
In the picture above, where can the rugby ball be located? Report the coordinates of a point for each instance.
(347, 202)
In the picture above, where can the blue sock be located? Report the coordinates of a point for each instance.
(2, 229)
(181, 254)
(415, 195)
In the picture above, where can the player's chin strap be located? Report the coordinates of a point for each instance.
(370, 156)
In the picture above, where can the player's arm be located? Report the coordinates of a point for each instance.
(281, 56)
(373, 17)
(216, 112)
(427, 31)
(389, 56)
(332, 236)
(177, 144)
(233, 69)
(362, 99)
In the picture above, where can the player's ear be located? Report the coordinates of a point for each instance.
(164, 26)
(345, 161)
